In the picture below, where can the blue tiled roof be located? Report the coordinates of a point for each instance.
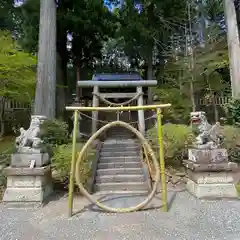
(116, 77)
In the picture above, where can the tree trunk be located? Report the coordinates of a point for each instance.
(192, 62)
(233, 46)
(45, 98)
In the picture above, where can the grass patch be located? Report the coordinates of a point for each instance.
(7, 146)
(61, 163)
(7, 143)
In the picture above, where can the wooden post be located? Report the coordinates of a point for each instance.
(233, 46)
(95, 113)
(141, 119)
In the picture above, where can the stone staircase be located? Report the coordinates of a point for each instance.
(120, 168)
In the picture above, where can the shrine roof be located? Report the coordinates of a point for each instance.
(116, 77)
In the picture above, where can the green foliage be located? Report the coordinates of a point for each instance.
(29, 13)
(6, 149)
(16, 70)
(214, 9)
(139, 23)
(181, 105)
(89, 23)
(17, 119)
(62, 162)
(5, 159)
(176, 139)
(208, 61)
(6, 15)
(233, 112)
(231, 142)
(54, 132)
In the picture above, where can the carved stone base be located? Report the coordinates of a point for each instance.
(212, 190)
(27, 186)
(211, 181)
(218, 155)
(210, 174)
(210, 177)
(20, 160)
(210, 167)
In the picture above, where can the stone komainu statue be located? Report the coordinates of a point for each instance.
(208, 135)
(29, 140)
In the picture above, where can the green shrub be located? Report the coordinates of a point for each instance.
(54, 132)
(176, 139)
(6, 149)
(181, 105)
(231, 142)
(232, 110)
(61, 161)
(5, 159)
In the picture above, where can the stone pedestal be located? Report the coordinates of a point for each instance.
(210, 174)
(27, 185)
(20, 160)
(29, 175)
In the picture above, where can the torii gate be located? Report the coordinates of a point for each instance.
(123, 81)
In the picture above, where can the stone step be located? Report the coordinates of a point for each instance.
(112, 142)
(124, 193)
(119, 171)
(121, 135)
(117, 134)
(121, 138)
(113, 153)
(119, 165)
(121, 159)
(123, 186)
(120, 178)
(120, 148)
(119, 130)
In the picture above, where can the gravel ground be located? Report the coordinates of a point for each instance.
(188, 219)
